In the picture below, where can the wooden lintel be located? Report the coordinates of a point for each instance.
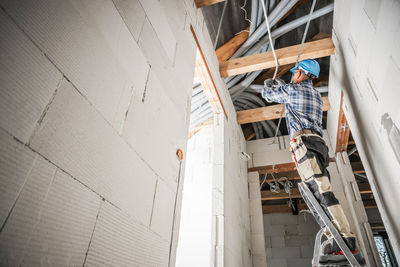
(205, 124)
(268, 112)
(225, 51)
(287, 55)
(203, 3)
(343, 130)
(204, 75)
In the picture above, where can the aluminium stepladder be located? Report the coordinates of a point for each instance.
(314, 206)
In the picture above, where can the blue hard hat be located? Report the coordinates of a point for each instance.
(309, 66)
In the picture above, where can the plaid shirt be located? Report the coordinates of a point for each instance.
(303, 105)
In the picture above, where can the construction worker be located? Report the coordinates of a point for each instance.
(303, 108)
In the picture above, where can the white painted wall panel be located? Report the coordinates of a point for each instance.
(75, 137)
(27, 80)
(52, 221)
(120, 241)
(77, 45)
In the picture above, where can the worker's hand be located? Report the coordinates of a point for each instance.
(269, 83)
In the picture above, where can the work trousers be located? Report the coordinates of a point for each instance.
(310, 154)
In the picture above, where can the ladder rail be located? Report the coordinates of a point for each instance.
(309, 197)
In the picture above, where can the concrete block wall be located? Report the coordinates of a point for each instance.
(94, 103)
(366, 68)
(265, 152)
(289, 239)
(256, 221)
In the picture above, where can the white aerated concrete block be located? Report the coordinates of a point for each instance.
(51, 223)
(270, 158)
(16, 165)
(256, 224)
(253, 177)
(162, 216)
(159, 21)
(28, 80)
(133, 15)
(160, 64)
(120, 241)
(254, 189)
(76, 138)
(105, 67)
(257, 243)
(287, 253)
(259, 260)
(255, 207)
(157, 113)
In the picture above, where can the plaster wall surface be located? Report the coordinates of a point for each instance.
(366, 68)
(94, 102)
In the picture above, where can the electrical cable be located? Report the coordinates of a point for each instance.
(270, 38)
(297, 61)
(220, 24)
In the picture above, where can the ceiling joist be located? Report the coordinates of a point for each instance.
(269, 112)
(287, 55)
(225, 51)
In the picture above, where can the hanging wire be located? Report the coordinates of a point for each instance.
(287, 185)
(220, 24)
(270, 38)
(297, 61)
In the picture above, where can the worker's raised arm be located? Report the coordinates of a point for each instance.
(275, 93)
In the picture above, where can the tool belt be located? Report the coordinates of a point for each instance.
(305, 131)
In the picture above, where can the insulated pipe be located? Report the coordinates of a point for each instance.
(289, 27)
(254, 8)
(255, 99)
(262, 29)
(245, 104)
(259, 15)
(300, 21)
(197, 120)
(201, 110)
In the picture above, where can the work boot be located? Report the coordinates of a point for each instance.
(329, 255)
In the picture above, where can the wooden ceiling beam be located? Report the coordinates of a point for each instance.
(277, 168)
(226, 51)
(269, 195)
(203, 3)
(268, 112)
(287, 55)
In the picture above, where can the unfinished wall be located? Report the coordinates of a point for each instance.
(289, 239)
(94, 103)
(366, 68)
